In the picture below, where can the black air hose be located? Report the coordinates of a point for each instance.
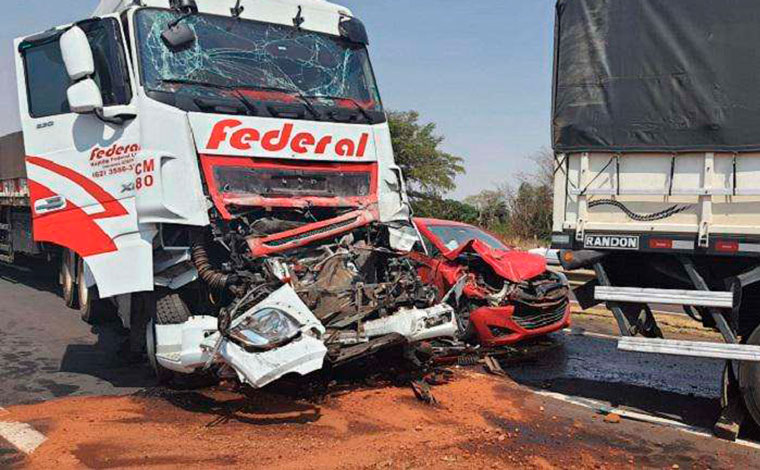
(216, 280)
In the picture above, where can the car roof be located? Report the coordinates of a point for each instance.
(430, 221)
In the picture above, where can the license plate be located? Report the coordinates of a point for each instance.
(612, 242)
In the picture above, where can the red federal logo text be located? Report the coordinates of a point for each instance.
(230, 132)
(115, 150)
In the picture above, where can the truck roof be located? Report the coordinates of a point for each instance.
(253, 9)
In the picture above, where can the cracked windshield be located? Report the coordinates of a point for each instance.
(274, 62)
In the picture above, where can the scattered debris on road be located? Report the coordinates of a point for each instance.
(483, 421)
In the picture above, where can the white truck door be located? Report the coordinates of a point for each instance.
(81, 169)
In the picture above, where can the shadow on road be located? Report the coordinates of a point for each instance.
(106, 359)
(33, 273)
(253, 407)
(593, 369)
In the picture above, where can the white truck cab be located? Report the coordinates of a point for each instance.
(209, 161)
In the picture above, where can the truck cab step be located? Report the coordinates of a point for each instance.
(665, 296)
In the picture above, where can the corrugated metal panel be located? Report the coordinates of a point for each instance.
(12, 156)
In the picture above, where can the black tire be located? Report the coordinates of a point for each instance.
(89, 300)
(68, 276)
(170, 310)
(749, 380)
(163, 376)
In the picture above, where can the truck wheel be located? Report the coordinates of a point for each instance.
(749, 380)
(91, 307)
(170, 310)
(163, 375)
(68, 278)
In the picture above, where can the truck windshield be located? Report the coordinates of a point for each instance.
(241, 182)
(265, 61)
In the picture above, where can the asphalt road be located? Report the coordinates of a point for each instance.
(677, 388)
(47, 352)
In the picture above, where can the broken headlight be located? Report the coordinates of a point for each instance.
(265, 329)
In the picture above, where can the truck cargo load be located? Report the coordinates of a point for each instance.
(12, 156)
(654, 75)
(655, 125)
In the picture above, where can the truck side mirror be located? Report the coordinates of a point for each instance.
(84, 94)
(353, 29)
(84, 97)
(77, 54)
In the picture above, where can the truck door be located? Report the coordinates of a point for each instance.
(80, 167)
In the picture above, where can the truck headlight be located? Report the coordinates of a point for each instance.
(265, 329)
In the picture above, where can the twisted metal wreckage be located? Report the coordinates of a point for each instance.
(322, 304)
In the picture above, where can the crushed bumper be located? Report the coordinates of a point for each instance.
(503, 326)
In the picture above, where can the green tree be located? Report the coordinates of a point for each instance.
(492, 206)
(446, 209)
(429, 171)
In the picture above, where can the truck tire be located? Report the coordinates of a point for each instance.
(92, 308)
(170, 310)
(86, 295)
(68, 278)
(749, 380)
(163, 375)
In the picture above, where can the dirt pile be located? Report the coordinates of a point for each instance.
(481, 422)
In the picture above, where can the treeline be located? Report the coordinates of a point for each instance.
(517, 211)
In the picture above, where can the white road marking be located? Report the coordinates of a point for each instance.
(601, 407)
(574, 332)
(22, 436)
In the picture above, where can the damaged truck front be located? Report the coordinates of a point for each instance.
(227, 179)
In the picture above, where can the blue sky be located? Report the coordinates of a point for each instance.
(480, 69)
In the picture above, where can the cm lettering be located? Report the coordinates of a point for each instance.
(230, 132)
(144, 172)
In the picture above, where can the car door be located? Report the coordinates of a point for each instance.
(80, 168)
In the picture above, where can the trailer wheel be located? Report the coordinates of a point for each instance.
(170, 310)
(749, 380)
(68, 278)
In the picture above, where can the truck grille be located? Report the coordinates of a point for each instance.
(532, 318)
(311, 233)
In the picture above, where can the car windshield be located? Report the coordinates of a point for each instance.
(454, 236)
(236, 53)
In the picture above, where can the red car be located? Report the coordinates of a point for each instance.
(509, 295)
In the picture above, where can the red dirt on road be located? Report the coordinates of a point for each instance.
(481, 422)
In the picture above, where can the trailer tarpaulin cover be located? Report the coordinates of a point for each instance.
(12, 156)
(657, 75)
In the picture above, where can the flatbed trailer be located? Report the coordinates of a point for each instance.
(15, 212)
(657, 175)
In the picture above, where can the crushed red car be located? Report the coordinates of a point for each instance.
(508, 296)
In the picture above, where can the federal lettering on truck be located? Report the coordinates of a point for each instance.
(612, 242)
(271, 138)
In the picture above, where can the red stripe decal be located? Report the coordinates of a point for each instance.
(112, 206)
(71, 228)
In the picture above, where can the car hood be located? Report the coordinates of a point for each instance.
(512, 265)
